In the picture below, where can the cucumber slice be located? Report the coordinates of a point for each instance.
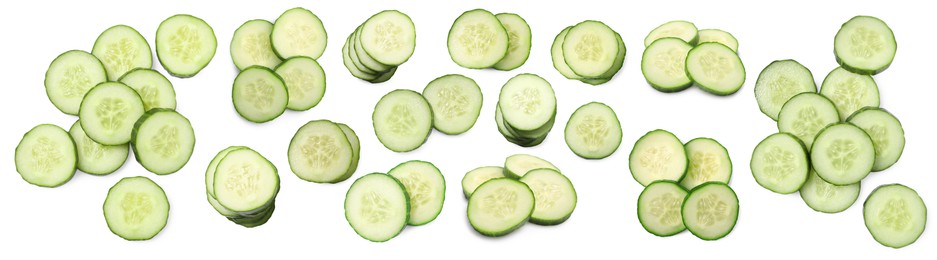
(245, 181)
(663, 64)
(389, 37)
(842, 154)
(477, 176)
(298, 32)
(616, 66)
(849, 91)
(516, 166)
(593, 131)
(155, 90)
(779, 82)
(377, 207)
(591, 49)
(527, 102)
(361, 71)
(500, 206)
(185, 44)
(559, 61)
(210, 181)
(320, 152)
(554, 195)
(513, 136)
(780, 163)
(70, 76)
(402, 120)
(95, 158)
(715, 68)
(660, 208)
(825, 197)
(305, 82)
(478, 40)
(895, 215)
(136, 208)
(361, 55)
(658, 155)
(719, 36)
(259, 94)
(518, 41)
(865, 45)
(250, 45)
(109, 111)
(708, 161)
(683, 30)
(711, 210)
(805, 114)
(46, 156)
(355, 147)
(122, 49)
(886, 133)
(163, 141)
(426, 190)
(456, 101)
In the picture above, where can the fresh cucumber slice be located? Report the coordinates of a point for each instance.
(122, 49)
(805, 114)
(708, 161)
(683, 30)
(251, 45)
(516, 166)
(886, 133)
(554, 195)
(402, 120)
(95, 158)
(780, 163)
(298, 32)
(389, 37)
(660, 206)
(109, 111)
(715, 68)
(426, 190)
(355, 147)
(70, 76)
(46, 156)
(513, 136)
(259, 94)
(357, 48)
(527, 102)
(711, 210)
(663, 64)
(377, 207)
(518, 41)
(842, 154)
(320, 152)
(477, 176)
(559, 61)
(163, 141)
(478, 40)
(500, 206)
(305, 82)
(245, 181)
(136, 208)
(185, 44)
(456, 101)
(825, 197)
(591, 49)
(210, 182)
(658, 155)
(779, 82)
(865, 45)
(719, 36)
(155, 90)
(849, 91)
(616, 66)
(593, 131)
(895, 215)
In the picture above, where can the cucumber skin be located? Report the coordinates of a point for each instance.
(508, 230)
(182, 75)
(731, 167)
(136, 127)
(636, 145)
(737, 206)
(638, 212)
(75, 167)
(324, 33)
(405, 195)
(408, 194)
(865, 204)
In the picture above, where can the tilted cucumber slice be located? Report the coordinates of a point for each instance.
(109, 111)
(320, 152)
(865, 45)
(518, 41)
(122, 49)
(719, 36)
(305, 82)
(377, 207)
(886, 133)
(708, 161)
(136, 208)
(660, 208)
(456, 101)
(477, 40)
(849, 91)
(825, 197)
(402, 120)
(389, 37)
(46, 156)
(780, 163)
(500, 206)
(683, 30)
(711, 210)
(185, 44)
(554, 195)
(298, 32)
(516, 166)
(663, 64)
(895, 215)
(426, 190)
(805, 114)
(70, 76)
(163, 141)
(593, 131)
(95, 158)
(154, 89)
(715, 68)
(779, 82)
(658, 155)
(477, 176)
(842, 154)
(251, 45)
(259, 94)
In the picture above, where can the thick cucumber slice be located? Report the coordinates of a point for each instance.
(210, 181)
(591, 49)
(842, 154)
(155, 90)
(70, 76)
(456, 101)
(109, 111)
(136, 208)
(122, 49)
(426, 190)
(46, 156)
(663, 64)
(711, 210)
(245, 181)
(825, 197)
(355, 147)
(554, 195)
(719, 36)
(779, 82)
(95, 158)
(185, 44)
(658, 155)
(593, 131)
(251, 45)
(660, 208)
(320, 152)
(389, 37)
(518, 41)
(805, 114)
(527, 102)
(500, 206)
(305, 82)
(895, 215)
(163, 141)
(516, 166)
(849, 91)
(259, 94)
(477, 176)
(715, 68)
(478, 40)
(886, 133)
(683, 30)
(298, 32)
(709, 161)
(559, 61)
(377, 207)
(865, 45)
(780, 164)
(402, 120)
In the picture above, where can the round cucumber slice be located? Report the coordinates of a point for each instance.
(377, 207)
(779, 82)
(719, 36)
(825, 197)
(70, 76)
(805, 115)
(895, 215)
(426, 190)
(259, 94)
(136, 208)
(780, 163)
(715, 68)
(708, 161)
(46, 156)
(154, 89)
(402, 120)
(593, 131)
(163, 141)
(95, 158)
(320, 152)
(185, 44)
(477, 40)
(298, 32)
(500, 206)
(554, 195)
(849, 91)
(109, 111)
(865, 45)
(456, 101)
(122, 49)
(842, 154)
(663, 64)
(886, 133)
(658, 155)
(711, 210)
(660, 208)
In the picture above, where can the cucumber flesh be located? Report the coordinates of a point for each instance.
(658, 155)
(554, 195)
(895, 215)
(426, 190)
(251, 45)
(865, 45)
(122, 49)
(518, 41)
(477, 176)
(825, 197)
(259, 94)
(163, 141)
(402, 120)
(456, 101)
(95, 158)
(305, 82)
(377, 207)
(780, 163)
(805, 114)
(849, 91)
(682, 30)
(70, 76)
(185, 44)
(136, 208)
(46, 156)
(715, 68)
(719, 36)
(154, 89)
(886, 133)
(663, 64)
(708, 161)
(500, 206)
(842, 154)
(779, 82)
(711, 210)
(516, 166)
(591, 49)
(477, 40)
(320, 152)
(593, 131)
(298, 32)
(660, 208)
(109, 111)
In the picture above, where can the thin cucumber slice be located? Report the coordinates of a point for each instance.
(245, 181)
(95, 158)
(683, 30)
(715, 68)
(250, 45)
(865, 45)
(320, 152)
(842, 154)
(559, 61)
(658, 155)
(500, 206)
(70, 76)
(478, 40)
(593, 131)
(663, 64)
(305, 82)
(259, 94)
(895, 215)
(554, 195)
(527, 102)
(185, 44)
(155, 90)
(389, 37)
(402, 120)
(709, 161)
(825, 197)
(591, 49)
(711, 210)
(298, 32)
(779, 82)
(477, 176)
(122, 49)
(377, 207)
(886, 133)
(660, 208)
(780, 163)
(136, 208)
(849, 91)
(353, 68)
(109, 111)
(456, 101)
(719, 36)
(518, 41)
(355, 147)
(363, 56)
(426, 190)
(516, 166)
(163, 141)
(46, 156)
(805, 114)
(210, 182)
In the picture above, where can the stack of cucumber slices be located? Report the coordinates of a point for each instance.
(323, 151)
(526, 110)
(686, 186)
(479, 39)
(382, 43)
(589, 51)
(677, 55)
(242, 185)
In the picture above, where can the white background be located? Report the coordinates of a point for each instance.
(309, 221)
